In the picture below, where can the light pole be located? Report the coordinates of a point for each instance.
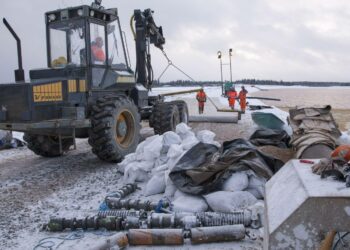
(222, 81)
(230, 53)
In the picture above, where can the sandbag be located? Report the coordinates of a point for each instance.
(237, 182)
(127, 160)
(227, 202)
(189, 203)
(207, 136)
(134, 173)
(183, 130)
(156, 185)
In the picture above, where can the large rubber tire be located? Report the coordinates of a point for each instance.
(115, 128)
(183, 110)
(165, 117)
(47, 146)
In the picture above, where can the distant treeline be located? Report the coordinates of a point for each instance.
(252, 82)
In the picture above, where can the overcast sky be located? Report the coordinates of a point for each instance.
(272, 39)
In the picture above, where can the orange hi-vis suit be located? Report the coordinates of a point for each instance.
(243, 99)
(231, 94)
(201, 98)
(98, 53)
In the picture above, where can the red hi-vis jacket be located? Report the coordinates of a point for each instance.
(231, 97)
(201, 98)
(98, 53)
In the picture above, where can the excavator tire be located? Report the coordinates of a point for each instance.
(166, 117)
(47, 146)
(183, 110)
(115, 128)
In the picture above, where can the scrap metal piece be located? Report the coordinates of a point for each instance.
(137, 204)
(124, 191)
(110, 223)
(156, 237)
(201, 235)
(120, 213)
(210, 219)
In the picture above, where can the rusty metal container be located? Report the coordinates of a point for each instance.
(201, 235)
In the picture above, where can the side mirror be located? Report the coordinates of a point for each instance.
(110, 29)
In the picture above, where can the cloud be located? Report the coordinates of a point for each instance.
(271, 39)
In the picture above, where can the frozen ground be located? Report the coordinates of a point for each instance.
(33, 188)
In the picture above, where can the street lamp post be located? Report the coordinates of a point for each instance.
(222, 81)
(230, 53)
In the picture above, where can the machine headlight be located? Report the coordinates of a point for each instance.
(80, 12)
(52, 17)
(92, 13)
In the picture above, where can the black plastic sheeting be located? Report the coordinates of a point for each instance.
(274, 137)
(203, 168)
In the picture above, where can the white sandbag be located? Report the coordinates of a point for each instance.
(170, 138)
(182, 129)
(170, 187)
(156, 185)
(344, 139)
(179, 194)
(161, 160)
(256, 186)
(237, 182)
(256, 192)
(226, 202)
(175, 150)
(158, 169)
(134, 173)
(152, 150)
(206, 136)
(127, 160)
(189, 142)
(189, 203)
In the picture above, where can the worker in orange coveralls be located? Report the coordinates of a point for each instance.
(243, 99)
(201, 98)
(232, 95)
(97, 52)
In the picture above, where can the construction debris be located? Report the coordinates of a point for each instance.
(314, 131)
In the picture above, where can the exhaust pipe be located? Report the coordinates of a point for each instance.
(19, 73)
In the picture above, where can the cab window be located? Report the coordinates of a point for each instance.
(98, 49)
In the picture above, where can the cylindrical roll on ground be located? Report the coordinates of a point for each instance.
(201, 235)
(155, 237)
(214, 119)
(117, 241)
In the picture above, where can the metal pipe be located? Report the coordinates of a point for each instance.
(217, 234)
(19, 73)
(117, 241)
(214, 119)
(144, 237)
(264, 98)
(180, 92)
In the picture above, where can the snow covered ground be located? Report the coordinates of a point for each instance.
(32, 188)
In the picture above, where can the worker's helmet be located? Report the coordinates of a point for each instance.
(99, 41)
(342, 153)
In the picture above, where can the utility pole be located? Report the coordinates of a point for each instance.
(230, 53)
(222, 80)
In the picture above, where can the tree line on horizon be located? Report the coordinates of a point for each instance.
(251, 82)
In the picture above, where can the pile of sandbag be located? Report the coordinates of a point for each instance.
(158, 154)
(191, 171)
